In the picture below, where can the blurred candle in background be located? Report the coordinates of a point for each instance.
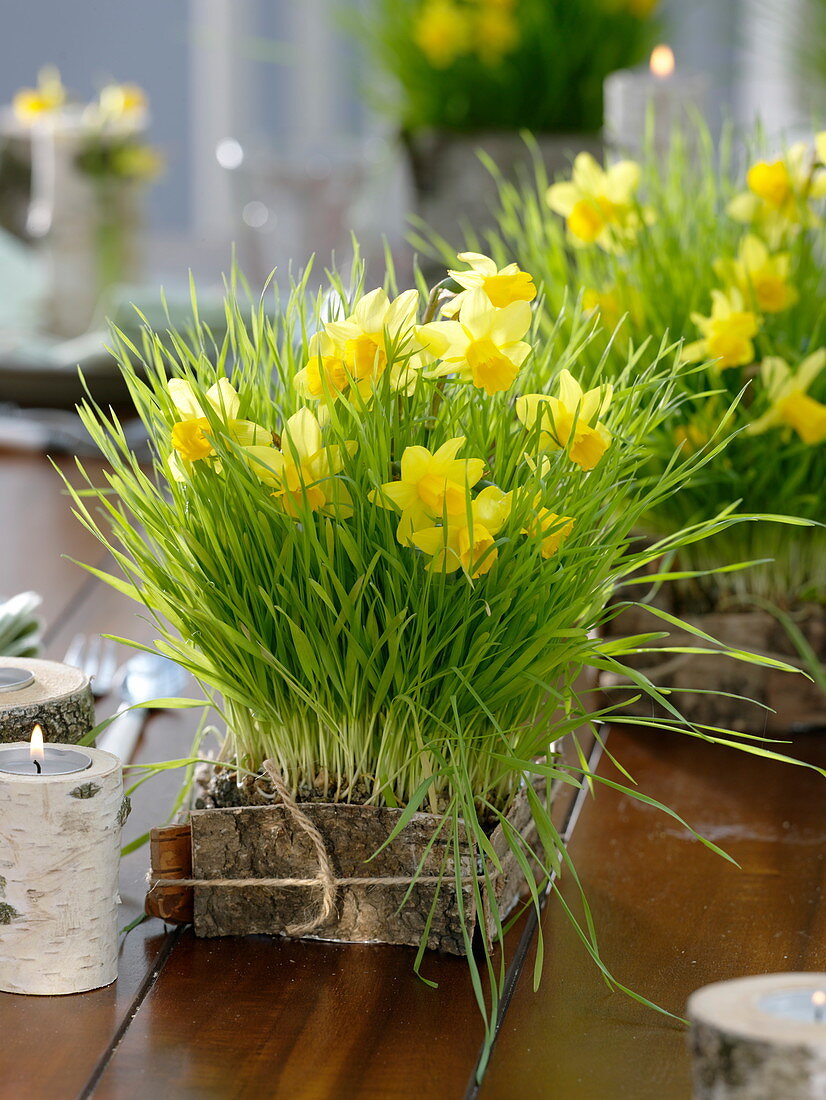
(657, 96)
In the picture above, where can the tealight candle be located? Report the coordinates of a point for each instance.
(36, 758)
(669, 97)
(61, 813)
(761, 1036)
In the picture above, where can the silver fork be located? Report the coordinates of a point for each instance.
(96, 657)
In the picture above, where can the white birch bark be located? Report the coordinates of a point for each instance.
(59, 853)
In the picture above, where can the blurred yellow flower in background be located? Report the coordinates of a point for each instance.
(760, 277)
(119, 102)
(599, 204)
(501, 285)
(31, 104)
(727, 332)
(569, 421)
(432, 486)
(467, 542)
(442, 32)
(791, 406)
(691, 436)
(820, 146)
(779, 193)
(484, 346)
(495, 31)
(302, 472)
(612, 303)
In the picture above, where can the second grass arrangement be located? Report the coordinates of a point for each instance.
(730, 257)
(384, 545)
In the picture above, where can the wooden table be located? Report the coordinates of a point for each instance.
(264, 1017)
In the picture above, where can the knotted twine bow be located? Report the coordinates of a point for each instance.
(326, 878)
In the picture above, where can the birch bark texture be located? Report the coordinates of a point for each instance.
(59, 855)
(742, 1051)
(60, 701)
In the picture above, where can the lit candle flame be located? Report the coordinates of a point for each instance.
(662, 61)
(36, 749)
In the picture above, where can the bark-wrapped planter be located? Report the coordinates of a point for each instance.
(797, 704)
(453, 186)
(294, 847)
(59, 700)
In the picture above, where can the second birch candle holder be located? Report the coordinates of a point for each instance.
(54, 696)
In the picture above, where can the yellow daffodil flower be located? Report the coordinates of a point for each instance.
(356, 351)
(325, 372)
(432, 486)
(791, 406)
(30, 104)
(484, 346)
(303, 471)
(761, 277)
(464, 542)
(612, 304)
(569, 421)
(122, 102)
(442, 32)
(495, 32)
(551, 528)
(691, 437)
(727, 332)
(600, 205)
(501, 285)
(779, 193)
(820, 147)
(191, 435)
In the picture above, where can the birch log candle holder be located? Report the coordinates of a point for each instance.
(56, 697)
(61, 813)
(760, 1038)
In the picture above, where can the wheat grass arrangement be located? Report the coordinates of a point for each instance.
(360, 536)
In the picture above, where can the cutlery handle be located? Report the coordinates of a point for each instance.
(121, 738)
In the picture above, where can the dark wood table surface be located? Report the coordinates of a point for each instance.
(268, 1017)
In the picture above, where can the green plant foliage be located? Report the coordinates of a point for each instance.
(20, 626)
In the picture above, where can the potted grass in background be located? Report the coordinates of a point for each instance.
(730, 257)
(467, 76)
(388, 574)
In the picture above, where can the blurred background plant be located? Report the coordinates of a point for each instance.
(539, 65)
(20, 625)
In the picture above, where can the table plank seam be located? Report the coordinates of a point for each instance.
(143, 992)
(520, 956)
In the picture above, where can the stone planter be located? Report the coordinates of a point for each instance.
(797, 704)
(453, 187)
